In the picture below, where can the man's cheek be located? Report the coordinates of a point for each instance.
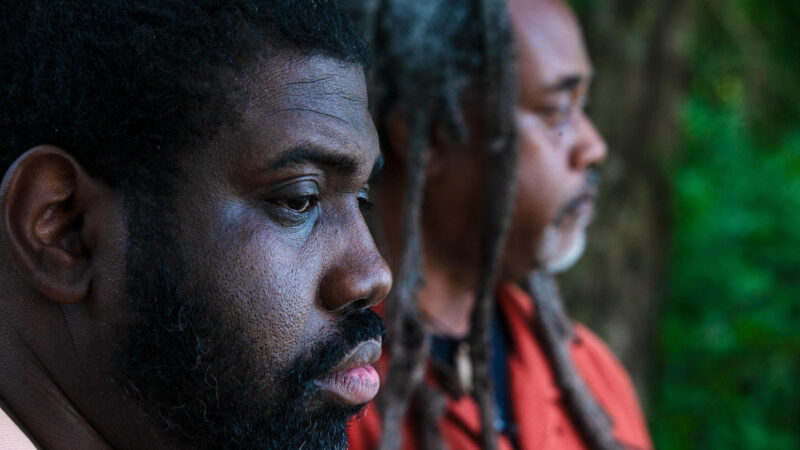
(282, 317)
(272, 285)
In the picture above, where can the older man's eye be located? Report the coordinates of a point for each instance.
(299, 204)
(363, 201)
(555, 116)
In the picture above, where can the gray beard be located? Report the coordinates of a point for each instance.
(553, 256)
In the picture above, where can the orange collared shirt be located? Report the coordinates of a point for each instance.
(542, 421)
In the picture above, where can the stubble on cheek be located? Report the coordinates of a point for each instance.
(266, 278)
(275, 310)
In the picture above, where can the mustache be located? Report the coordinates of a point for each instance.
(588, 192)
(352, 329)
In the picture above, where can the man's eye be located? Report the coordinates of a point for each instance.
(363, 201)
(555, 116)
(299, 204)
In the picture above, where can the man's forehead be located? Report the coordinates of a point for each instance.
(299, 80)
(313, 101)
(549, 41)
(322, 89)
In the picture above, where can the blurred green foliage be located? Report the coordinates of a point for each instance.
(727, 372)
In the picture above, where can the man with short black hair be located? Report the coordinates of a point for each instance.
(185, 261)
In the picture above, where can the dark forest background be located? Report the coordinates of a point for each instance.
(693, 270)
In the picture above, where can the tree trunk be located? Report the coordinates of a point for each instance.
(638, 50)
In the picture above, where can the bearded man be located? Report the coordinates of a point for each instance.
(470, 366)
(185, 262)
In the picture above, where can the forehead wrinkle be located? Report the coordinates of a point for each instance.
(341, 93)
(295, 96)
(295, 79)
(297, 92)
(315, 80)
(272, 112)
(322, 87)
(315, 85)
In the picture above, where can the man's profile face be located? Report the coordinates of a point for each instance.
(559, 145)
(251, 286)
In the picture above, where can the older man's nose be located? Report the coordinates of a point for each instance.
(590, 148)
(359, 277)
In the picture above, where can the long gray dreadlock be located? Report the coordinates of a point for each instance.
(425, 52)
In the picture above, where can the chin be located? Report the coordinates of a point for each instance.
(559, 251)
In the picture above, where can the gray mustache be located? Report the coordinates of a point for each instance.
(588, 193)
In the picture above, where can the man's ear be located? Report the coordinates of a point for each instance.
(398, 134)
(44, 196)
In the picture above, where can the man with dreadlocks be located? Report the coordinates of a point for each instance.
(473, 360)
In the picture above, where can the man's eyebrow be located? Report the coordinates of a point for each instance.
(566, 83)
(305, 154)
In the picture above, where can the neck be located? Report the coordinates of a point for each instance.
(447, 298)
(52, 391)
(33, 399)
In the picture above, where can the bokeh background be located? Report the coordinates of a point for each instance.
(693, 270)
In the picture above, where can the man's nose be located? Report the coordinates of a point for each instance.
(590, 148)
(359, 277)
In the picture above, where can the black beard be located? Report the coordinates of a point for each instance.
(192, 373)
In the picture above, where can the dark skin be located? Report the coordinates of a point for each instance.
(270, 212)
(558, 148)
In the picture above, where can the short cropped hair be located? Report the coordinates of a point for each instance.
(124, 85)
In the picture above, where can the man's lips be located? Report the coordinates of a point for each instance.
(581, 206)
(354, 381)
